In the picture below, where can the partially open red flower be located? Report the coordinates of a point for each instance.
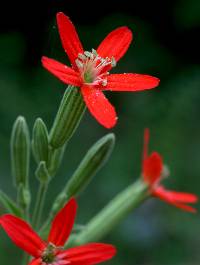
(90, 70)
(51, 251)
(152, 173)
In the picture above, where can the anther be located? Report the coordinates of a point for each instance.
(104, 82)
(82, 56)
(113, 62)
(79, 63)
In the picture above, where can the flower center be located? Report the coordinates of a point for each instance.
(94, 68)
(48, 256)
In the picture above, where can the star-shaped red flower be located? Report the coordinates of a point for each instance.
(152, 173)
(90, 70)
(50, 251)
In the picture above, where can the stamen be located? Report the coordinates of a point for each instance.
(93, 68)
(113, 62)
(94, 52)
(88, 54)
(82, 56)
(79, 64)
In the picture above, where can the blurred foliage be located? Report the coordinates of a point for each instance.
(156, 233)
(187, 13)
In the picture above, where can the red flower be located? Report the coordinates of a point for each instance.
(51, 252)
(90, 70)
(152, 173)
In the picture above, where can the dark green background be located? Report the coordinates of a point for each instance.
(165, 45)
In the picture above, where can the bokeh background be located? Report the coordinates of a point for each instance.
(166, 45)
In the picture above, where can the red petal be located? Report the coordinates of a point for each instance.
(152, 168)
(61, 71)
(36, 262)
(69, 37)
(22, 235)
(63, 223)
(131, 82)
(177, 199)
(99, 106)
(89, 254)
(183, 197)
(116, 43)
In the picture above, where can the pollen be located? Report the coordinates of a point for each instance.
(93, 68)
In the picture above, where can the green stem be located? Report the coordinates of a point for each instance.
(112, 214)
(39, 204)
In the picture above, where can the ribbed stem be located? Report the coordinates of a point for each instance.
(112, 214)
(39, 204)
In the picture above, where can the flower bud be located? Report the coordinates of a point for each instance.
(20, 152)
(40, 141)
(94, 159)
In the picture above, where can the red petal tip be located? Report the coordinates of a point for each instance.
(152, 168)
(61, 14)
(99, 106)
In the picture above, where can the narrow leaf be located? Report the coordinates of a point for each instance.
(9, 204)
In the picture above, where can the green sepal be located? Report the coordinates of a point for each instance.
(10, 205)
(68, 117)
(20, 151)
(23, 196)
(40, 141)
(94, 159)
(42, 172)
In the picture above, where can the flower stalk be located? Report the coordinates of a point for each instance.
(39, 204)
(111, 215)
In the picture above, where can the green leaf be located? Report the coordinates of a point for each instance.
(10, 205)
